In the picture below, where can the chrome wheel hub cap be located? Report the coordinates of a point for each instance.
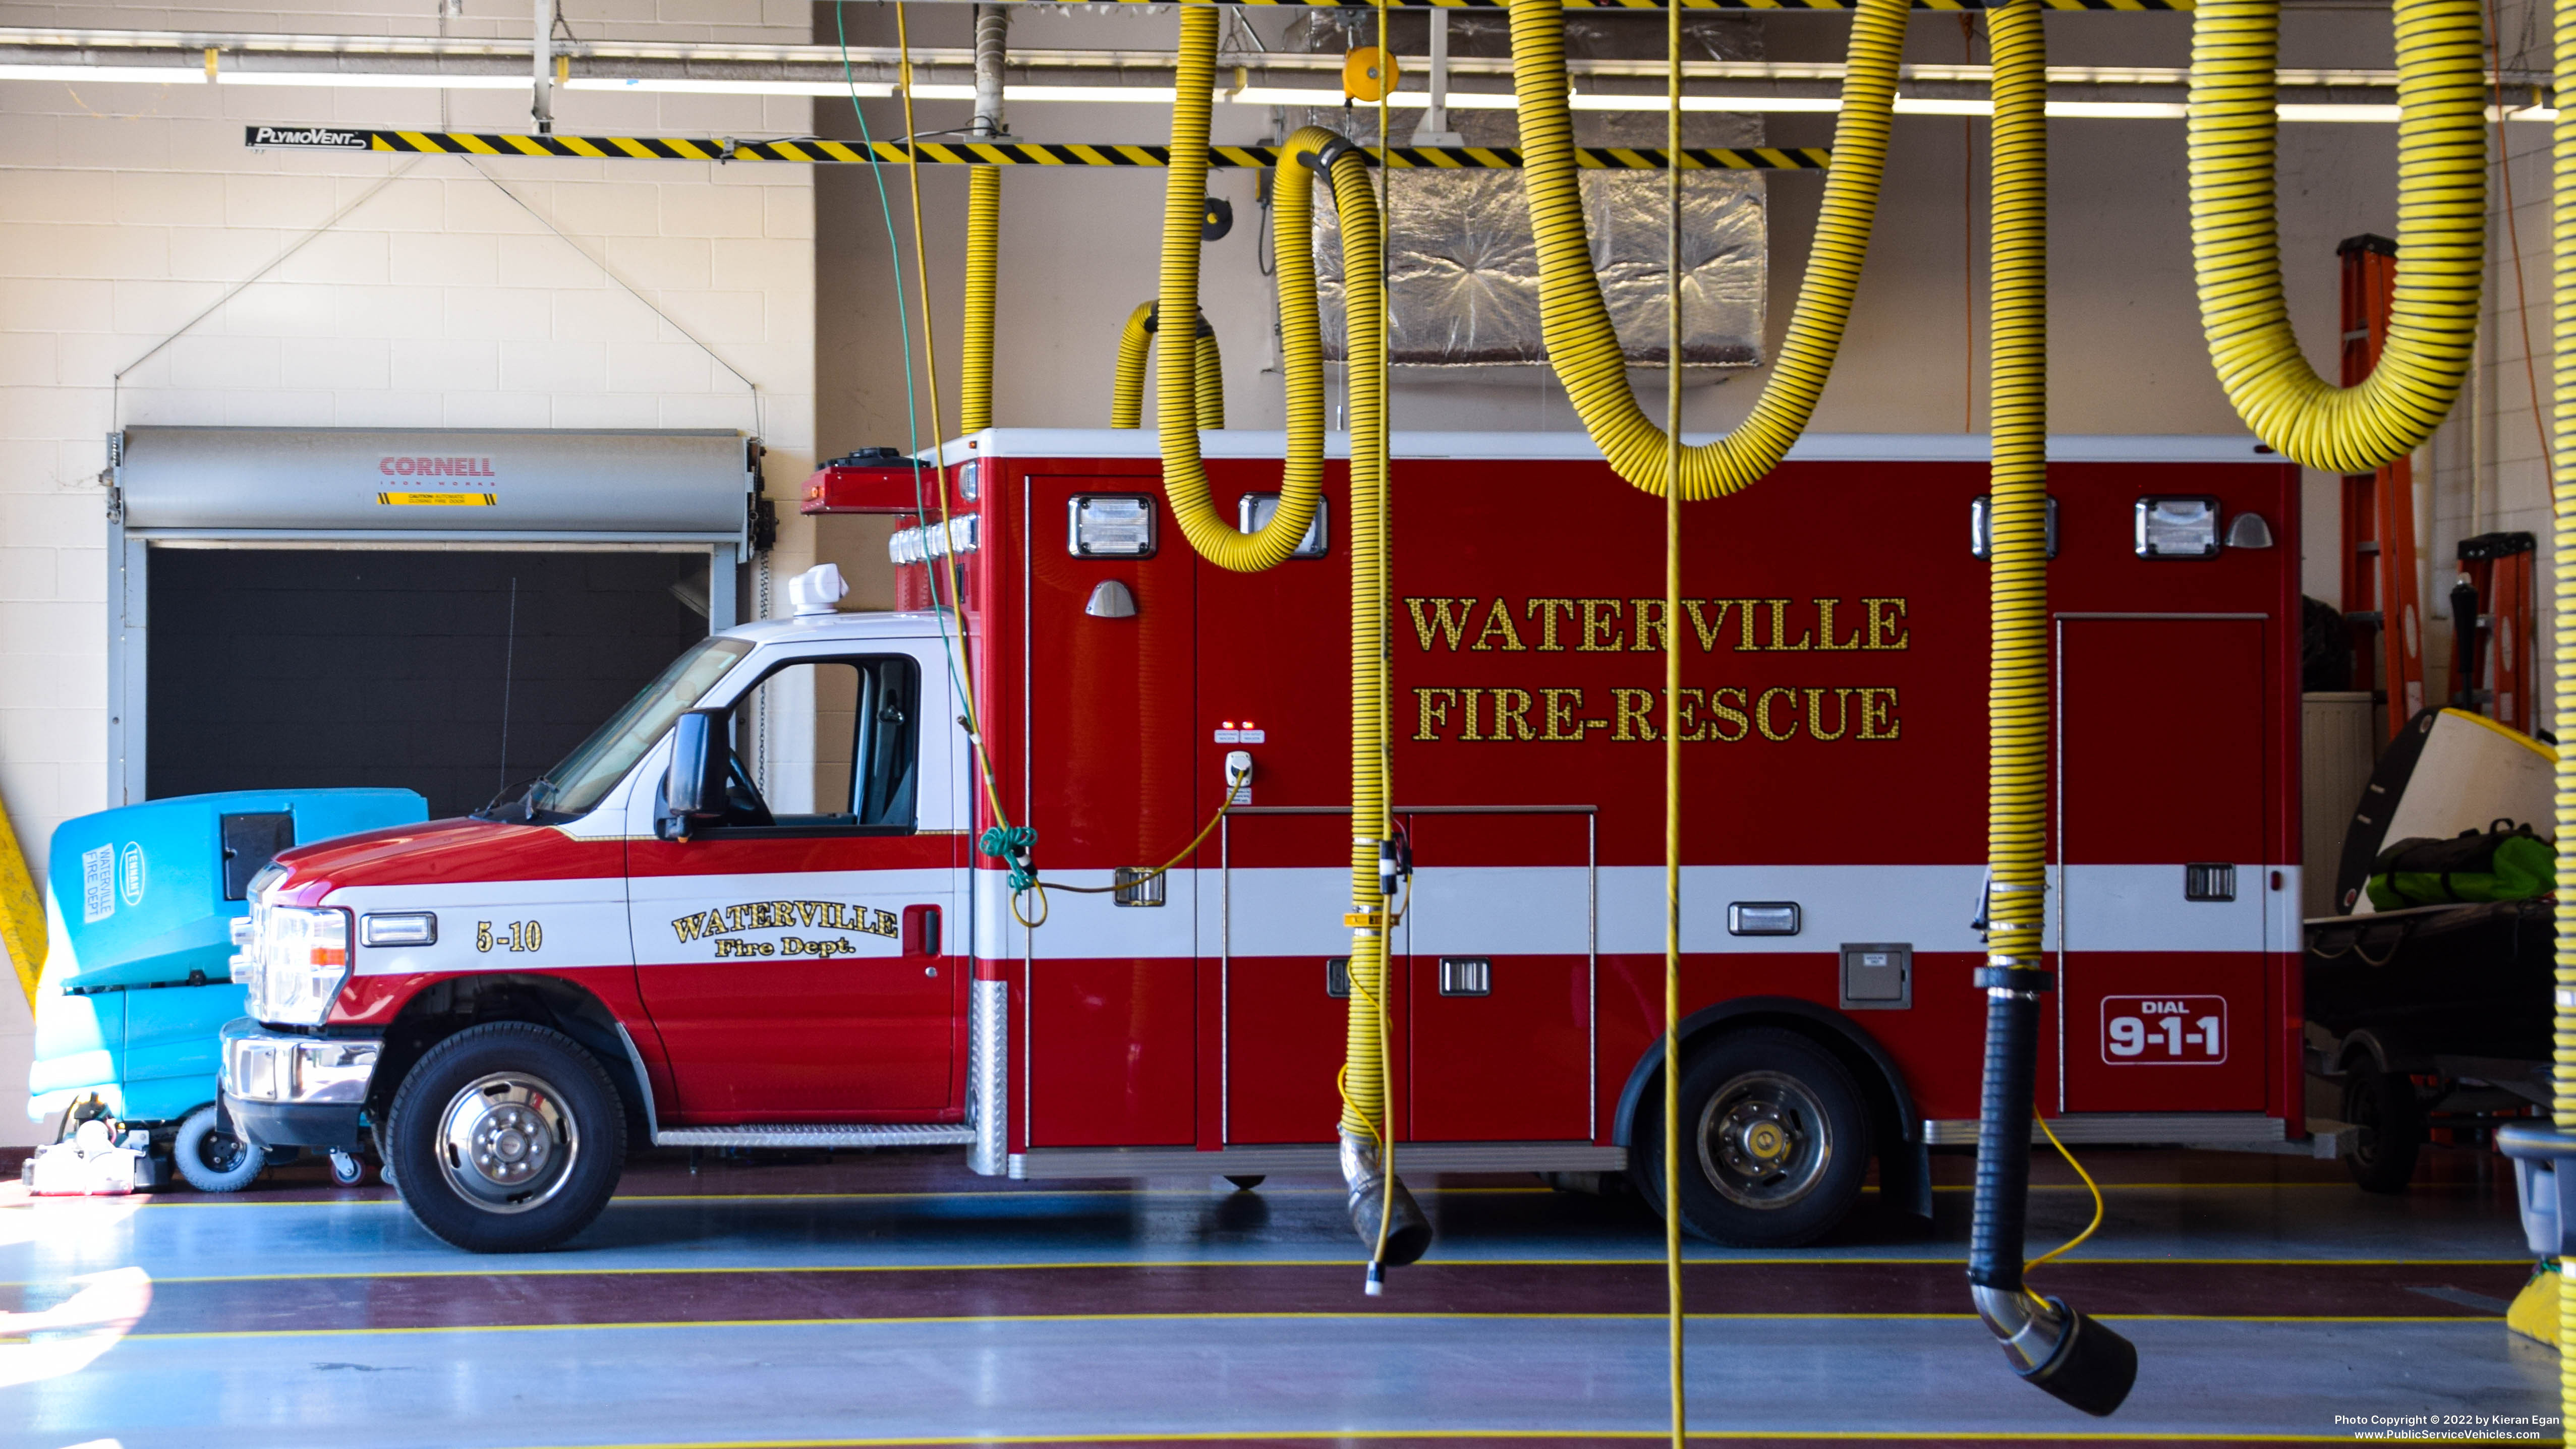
(1764, 1141)
(506, 1143)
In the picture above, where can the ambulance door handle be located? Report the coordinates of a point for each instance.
(921, 932)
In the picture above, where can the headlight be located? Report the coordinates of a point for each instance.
(298, 964)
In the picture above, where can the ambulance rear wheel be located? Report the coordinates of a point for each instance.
(212, 1159)
(1774, 1141)
(507, 1138)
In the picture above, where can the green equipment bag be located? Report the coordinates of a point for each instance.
(2504, 862)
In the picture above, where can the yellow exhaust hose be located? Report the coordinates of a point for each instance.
(2441, 236)
(1127, 383)
(1576, 324)
(1177, 409)
(1210, 378)
(2017, 578)
(975, 352)
(1382, 1212)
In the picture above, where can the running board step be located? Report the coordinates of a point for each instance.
(798, 1134)
(2145, 1129)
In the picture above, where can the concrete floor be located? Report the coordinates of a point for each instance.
(899, 1300)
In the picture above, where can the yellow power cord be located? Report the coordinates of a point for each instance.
(1127, 382)
(2441, 236)
(1576, 324)
(2562, 493)
(2071, 1244)
(1673, 732)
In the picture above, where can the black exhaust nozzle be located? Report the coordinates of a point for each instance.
(2093, 1368)
(2072, 1357)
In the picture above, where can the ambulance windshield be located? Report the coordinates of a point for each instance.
(599, 762)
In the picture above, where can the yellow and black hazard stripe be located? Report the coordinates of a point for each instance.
(979, 153)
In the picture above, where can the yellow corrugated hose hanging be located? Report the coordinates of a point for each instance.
(1576, 324)
(975, 352)
(1127, 383)
(2017, 427)
(2441, 236)
(2562, 490)
(1382, 1212)
(1175, 348)
(2049, 1344)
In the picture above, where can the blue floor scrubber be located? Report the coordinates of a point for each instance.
(139, 904)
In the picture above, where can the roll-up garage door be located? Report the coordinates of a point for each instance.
(448, 612)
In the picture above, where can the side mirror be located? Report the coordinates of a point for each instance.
(695, 787)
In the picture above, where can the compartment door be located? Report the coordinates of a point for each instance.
(2160, 828)
(1499, 976)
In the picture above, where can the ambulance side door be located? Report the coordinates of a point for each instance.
(796, 956)
(2161, 871)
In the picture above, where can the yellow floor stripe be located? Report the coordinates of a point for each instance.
(1117, 1264)
(1658, 1316)
(1336, 1436)
(1269, 1192)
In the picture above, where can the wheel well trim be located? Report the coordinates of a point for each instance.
(1744, 1010)
(635, 1091)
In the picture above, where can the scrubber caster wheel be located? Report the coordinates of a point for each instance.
(346, 1169)
(1246, 1182)
(212, 1159)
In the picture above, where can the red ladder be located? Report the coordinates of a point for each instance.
(2379, 510)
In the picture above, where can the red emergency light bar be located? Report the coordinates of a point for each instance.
(876, 480)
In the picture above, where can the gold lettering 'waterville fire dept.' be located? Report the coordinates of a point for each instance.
(773, 915)
(1722, 713)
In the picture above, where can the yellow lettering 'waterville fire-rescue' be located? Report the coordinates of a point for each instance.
(1724, 713)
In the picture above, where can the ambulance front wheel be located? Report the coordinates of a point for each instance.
(1774, 1142)
(507, 1138)
(212, 1159)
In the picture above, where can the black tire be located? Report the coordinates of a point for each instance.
(2383, 1106)
(1775, 1137)
(549, 1126)
(211, 1159)
(1246, 1182)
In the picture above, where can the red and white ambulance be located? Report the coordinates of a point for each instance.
(808, 950)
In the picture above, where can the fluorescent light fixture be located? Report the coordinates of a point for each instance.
(1825, 105)
(2119, 110)
(166, 75)
(371, 80)
(1134, 95)
(1332, 100)
(2339, 113)
(687, 86)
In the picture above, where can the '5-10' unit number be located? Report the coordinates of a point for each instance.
(512, 936)
(2168, 1030)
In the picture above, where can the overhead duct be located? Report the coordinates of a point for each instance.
(1462, 263)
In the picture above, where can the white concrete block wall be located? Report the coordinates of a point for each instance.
(126, 210)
